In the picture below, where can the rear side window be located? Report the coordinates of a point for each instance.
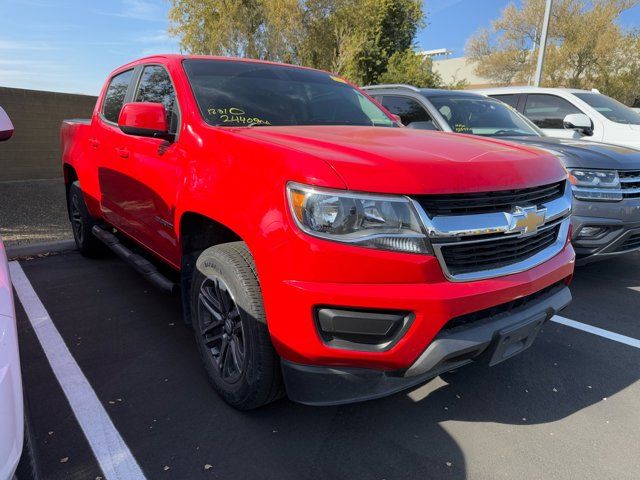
(548, 111)
(511, 100)
(114, 98)
(156, 87)
(407, 109)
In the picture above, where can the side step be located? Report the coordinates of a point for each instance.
(141, 264)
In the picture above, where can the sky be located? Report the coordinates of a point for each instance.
(72, 45)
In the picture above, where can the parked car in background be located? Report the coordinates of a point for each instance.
(571, 113)
(6, 127)
(316, 239)
(12, 415)
(605, 178)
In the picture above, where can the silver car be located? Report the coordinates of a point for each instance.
(605, 178)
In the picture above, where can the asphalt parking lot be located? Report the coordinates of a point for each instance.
(566, 408)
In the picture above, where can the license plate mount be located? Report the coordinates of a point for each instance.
(515, 339)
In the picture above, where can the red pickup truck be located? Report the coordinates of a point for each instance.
(322, 249)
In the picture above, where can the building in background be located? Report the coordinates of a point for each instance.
(454, 70)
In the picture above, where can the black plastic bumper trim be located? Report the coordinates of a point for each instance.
(321, 385)
(361, 329)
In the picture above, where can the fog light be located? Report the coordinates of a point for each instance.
(592, 233)
(369, 330)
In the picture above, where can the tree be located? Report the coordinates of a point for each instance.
(354, 38)
(585, 48)
(387, 27)
(411, 68)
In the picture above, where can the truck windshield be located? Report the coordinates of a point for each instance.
(237, 93)
(610, 108)
(482, 116)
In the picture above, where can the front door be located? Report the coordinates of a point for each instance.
(548, 112)
(154, 169)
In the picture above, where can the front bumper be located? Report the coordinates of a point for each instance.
(491, 339)
(622, 220)
(367, 279)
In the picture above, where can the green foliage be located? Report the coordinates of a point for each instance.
(411, 68)
(387, 27)
(586, 47)
(354, 38)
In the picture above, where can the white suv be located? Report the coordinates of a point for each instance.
(14, 432)
(571, 113)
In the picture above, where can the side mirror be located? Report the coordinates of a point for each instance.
(6, 127)
(428, 125)
(578, 122)
(145, 120)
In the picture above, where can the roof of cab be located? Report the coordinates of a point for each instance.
(177, 57)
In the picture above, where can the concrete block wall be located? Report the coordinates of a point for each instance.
(34, 150)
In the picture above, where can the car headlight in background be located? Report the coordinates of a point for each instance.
(374, 221)
(595, 184)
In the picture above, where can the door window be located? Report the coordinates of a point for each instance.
(156, 87)
(511, 99)
(548, 111)
(408, 109)
(116, 93)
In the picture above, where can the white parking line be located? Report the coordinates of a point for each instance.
(616, 337)
(113, 455)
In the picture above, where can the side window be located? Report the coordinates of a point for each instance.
(548, 111)
(407, 109)
(114, 98)
(156, 87)
(511, 99)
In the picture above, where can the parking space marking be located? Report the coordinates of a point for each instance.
(112, 453)
(616, 337)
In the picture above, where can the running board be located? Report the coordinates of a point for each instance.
(141, 264)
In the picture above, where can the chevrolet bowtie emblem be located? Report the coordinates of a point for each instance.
(526, 220)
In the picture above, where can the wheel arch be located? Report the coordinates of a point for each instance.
(70, 176)
(197, 233)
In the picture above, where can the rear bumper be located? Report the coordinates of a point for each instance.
(622, 219)
(491, 339)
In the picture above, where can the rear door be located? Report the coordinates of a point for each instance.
(114, 169)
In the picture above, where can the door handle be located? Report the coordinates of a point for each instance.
(93, 142)
(122, 152)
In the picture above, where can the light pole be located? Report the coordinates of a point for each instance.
(543, 43)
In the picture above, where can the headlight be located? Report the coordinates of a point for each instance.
(374, 221)
(595, 184)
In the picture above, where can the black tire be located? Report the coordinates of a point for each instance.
(230, 328)
(28, 466)
(82, 223)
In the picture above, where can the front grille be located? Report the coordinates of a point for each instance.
(486, 314)
(630, 180)
(477, 256)
(489, 202)
(633, 241)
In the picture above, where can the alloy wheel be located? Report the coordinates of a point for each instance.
(221, 329)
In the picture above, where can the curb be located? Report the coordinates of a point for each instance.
(35, 249)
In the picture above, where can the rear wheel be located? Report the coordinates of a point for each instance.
(81, 224)
(230, 327)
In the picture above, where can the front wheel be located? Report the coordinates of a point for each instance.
(230, 327)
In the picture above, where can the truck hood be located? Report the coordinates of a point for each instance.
(406, 161)
(585, 154)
